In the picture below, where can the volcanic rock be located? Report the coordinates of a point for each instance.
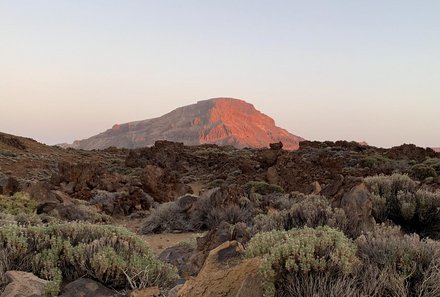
(23, 284)
(87, 287)
(225, 274)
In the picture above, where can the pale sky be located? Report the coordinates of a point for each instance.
(324, 70)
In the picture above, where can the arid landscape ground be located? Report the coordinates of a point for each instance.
(329, 219)
(244, 148)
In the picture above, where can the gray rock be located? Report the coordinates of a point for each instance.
(87, 287)
(23, 284)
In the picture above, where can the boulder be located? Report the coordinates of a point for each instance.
(272, 175)
(121, 202)
(175, 291)
(8, 185)
(85, 287)
(163, 184)
(276, 146)
(23, 284)
(316, 188)
(225, 274)
(184, 257)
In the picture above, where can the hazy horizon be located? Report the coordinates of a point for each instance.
(323, 70)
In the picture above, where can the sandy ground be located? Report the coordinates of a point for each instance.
(160, 242)
(157, 242)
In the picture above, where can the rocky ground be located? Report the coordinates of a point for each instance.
(200, 207)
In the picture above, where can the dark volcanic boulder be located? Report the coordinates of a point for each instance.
(87, 287)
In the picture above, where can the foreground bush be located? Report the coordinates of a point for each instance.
(410, 265)
(112, 255)
(300, 252)
(397, 198)
(323, 262)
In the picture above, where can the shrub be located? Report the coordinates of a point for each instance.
(405, 258)
(433, 163)
(396, 198)
(20, 203)
(262, 188)
(301, 251)
(307, 210)
(219, 205)
(112, 255)
(166, 218)
(423, 171)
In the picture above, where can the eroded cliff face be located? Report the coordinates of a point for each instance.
(222, 121)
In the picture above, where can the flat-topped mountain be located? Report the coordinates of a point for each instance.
(222, 121)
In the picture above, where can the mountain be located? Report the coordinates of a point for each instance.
(437, 149)
(222, 121)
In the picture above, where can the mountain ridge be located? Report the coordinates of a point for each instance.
(222, 121)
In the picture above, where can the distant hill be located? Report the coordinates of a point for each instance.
(222, 121)
(437, 149)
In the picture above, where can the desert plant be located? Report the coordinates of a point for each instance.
(20, 203)
(166, 218)
(112, 255)
(405, 258)
(423, 171)
(217, 206)
(301, 251)
(262, 188)
(306, 210)
(397, 198)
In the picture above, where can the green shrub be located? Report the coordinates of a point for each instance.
(301, 251)
(375, 161)
(262, 188)
(423, 171)
(114, 256)
(20, 203)
(433, 163)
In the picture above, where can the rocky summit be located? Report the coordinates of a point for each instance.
(221, 121)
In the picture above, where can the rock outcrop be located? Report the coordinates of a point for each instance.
(23, 284)
(87, 287)
(222, 121)
(225, 274)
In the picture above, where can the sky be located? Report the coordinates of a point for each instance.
(324, 70)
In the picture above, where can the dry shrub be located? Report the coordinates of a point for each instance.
(205, 213)
(397, 198)
(166, 218)
(406, 261)
(306, 210)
